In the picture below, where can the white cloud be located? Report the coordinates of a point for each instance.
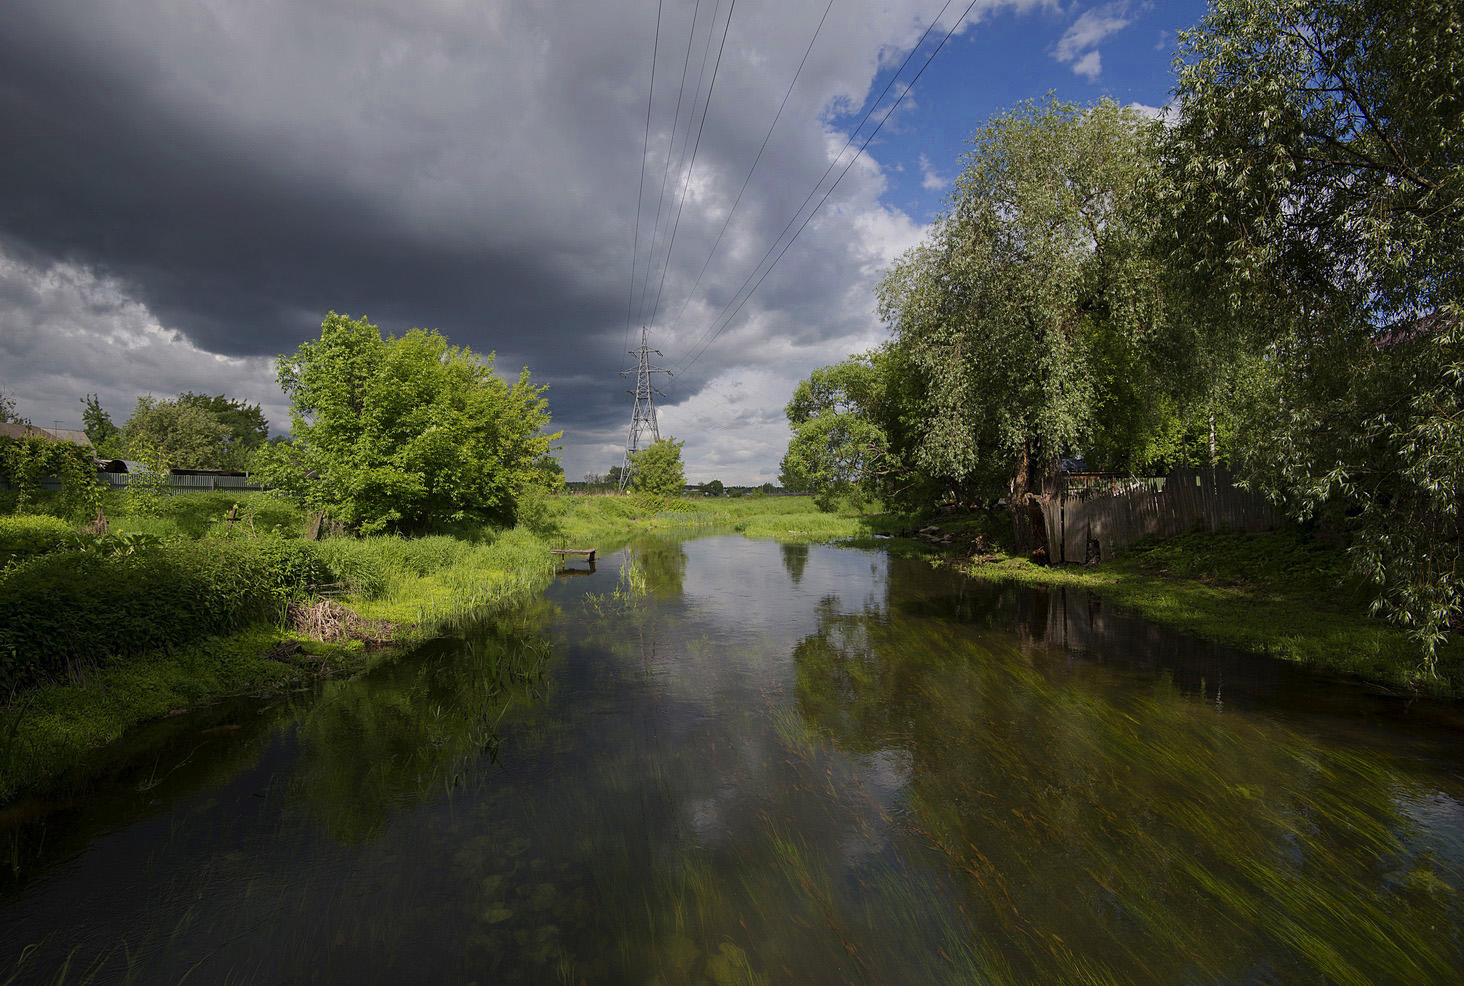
(929, 180)
(1078, 46)
(1090, 66)
(71, 332)
(472, 164)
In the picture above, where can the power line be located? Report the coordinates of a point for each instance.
(671, 149)
(748, 178)
(893, 106)
(640, 189)
(686, 182)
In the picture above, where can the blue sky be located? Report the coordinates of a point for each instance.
(1013, 56)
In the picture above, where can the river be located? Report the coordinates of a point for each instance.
(722, 761)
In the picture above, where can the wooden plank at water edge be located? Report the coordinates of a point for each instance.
(587, 553)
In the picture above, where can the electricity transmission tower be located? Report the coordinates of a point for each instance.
(643, 418)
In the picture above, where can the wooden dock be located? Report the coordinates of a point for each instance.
(586, 553)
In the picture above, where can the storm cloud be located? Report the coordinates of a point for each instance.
(186, 189)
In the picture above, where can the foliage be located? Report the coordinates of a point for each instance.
(852, 432)
(184, 435)
(1317, 195)
(1318, 155)
(26, 462)
(245, 423)
(404, 434)
(656, 469)
(100, 430)
(23, 537)
(63, 613)
(7, 408)
(714, 487)
(1032, 290)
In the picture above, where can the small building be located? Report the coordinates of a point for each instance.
(17, 429)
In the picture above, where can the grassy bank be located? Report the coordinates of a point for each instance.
(178, 607)
(606, 522)
(1283, 593)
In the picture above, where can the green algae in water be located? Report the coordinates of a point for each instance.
(772, 767)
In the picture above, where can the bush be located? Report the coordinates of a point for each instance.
(25, 537)
(62, 613)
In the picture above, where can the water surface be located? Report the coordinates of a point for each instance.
(740, 762)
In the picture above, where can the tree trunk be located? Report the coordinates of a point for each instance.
(1032, 481)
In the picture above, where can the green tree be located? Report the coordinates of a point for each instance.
(1035, 280)
(406, 433)
(852, 439)
(1317, 195)
(97, 424)
(714, 487)
(248, 429)
(656, 469)
(7, 409)
(183, 435)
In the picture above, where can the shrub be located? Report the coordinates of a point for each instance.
(24, 537)
(63, 613)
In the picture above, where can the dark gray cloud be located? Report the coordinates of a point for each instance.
(186, 189)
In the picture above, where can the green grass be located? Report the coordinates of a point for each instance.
(606, 522)
(420, 585)
(1282, 593)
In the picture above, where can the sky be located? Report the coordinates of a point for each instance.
(187, 189)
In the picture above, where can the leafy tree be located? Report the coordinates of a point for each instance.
(247, 426)
(97, 424)
(1317, 195)
(656, 469)
(183, 435)
(714, 487)
(852, 432)
(1036, 280)
(405, 433)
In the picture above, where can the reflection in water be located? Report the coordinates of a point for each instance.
(367, 753)
(706, 769)
(1114, 833)
(795, 560)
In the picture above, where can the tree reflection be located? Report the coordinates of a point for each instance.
(663, 564)
(1101, 830)
(795, 559)
(377, 744)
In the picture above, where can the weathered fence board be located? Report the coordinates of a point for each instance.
(1188, 500)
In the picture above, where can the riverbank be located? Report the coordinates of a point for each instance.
(141, 630)
(200, 596)
(1285, 594)
(179, 607)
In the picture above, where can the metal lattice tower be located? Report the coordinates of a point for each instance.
(643, 417)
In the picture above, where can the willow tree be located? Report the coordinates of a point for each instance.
(1029, 307)
(1317, 197)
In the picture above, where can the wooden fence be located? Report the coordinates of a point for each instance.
(1080, 524)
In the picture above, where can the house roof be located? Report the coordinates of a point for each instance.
(15, 429)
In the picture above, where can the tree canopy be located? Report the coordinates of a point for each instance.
(406, 433)
(1271, 281)
(1316, 203)
(656, 469)
(172, 434)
